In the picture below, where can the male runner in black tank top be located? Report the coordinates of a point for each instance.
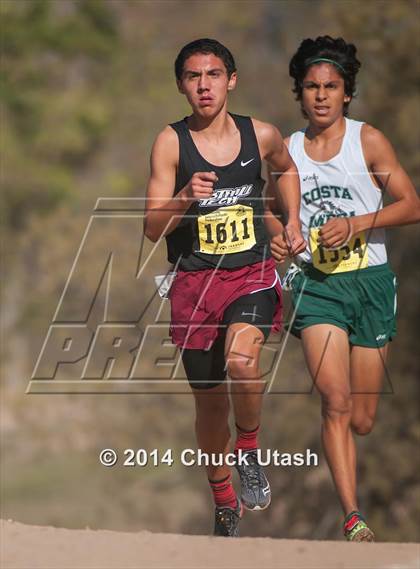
(204, 196)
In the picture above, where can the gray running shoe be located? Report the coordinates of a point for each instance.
(226, 523)
(255, 489)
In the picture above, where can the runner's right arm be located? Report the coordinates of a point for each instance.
(164, 211)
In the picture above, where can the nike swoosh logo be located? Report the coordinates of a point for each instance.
(251, 314)
(247, 162)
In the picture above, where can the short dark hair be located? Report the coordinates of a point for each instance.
(326, 47)
(204, 45)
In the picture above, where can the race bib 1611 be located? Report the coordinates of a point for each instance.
(226, 230)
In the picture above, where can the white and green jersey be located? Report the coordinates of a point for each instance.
(340, 187)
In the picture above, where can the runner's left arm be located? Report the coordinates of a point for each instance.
(392, 178)
(276, 231)
(286, 188)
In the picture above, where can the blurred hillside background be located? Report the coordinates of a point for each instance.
(85, 88)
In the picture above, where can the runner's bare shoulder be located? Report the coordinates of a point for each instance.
(374, 143)
(266, 134)
(166, 147)
(264, 129)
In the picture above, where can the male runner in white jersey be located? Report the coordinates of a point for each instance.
(345, 292)
(204, 196)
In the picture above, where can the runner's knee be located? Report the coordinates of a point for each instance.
(362, 425)
(241, 367)
(336, 405)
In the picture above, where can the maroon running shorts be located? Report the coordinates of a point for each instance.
(199, 299)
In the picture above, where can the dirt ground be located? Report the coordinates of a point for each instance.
(35, 547)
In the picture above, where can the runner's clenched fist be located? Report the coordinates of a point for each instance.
(279, 248)
(336, 232)
(200, 186)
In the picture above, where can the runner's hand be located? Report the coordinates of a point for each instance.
(294, 239)
(336, 232)
(279, 248)
(201, 185)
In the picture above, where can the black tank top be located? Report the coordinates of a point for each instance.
(226, 230)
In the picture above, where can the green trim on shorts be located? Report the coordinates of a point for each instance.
(361, 302)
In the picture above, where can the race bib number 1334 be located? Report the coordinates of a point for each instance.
(226, 230)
